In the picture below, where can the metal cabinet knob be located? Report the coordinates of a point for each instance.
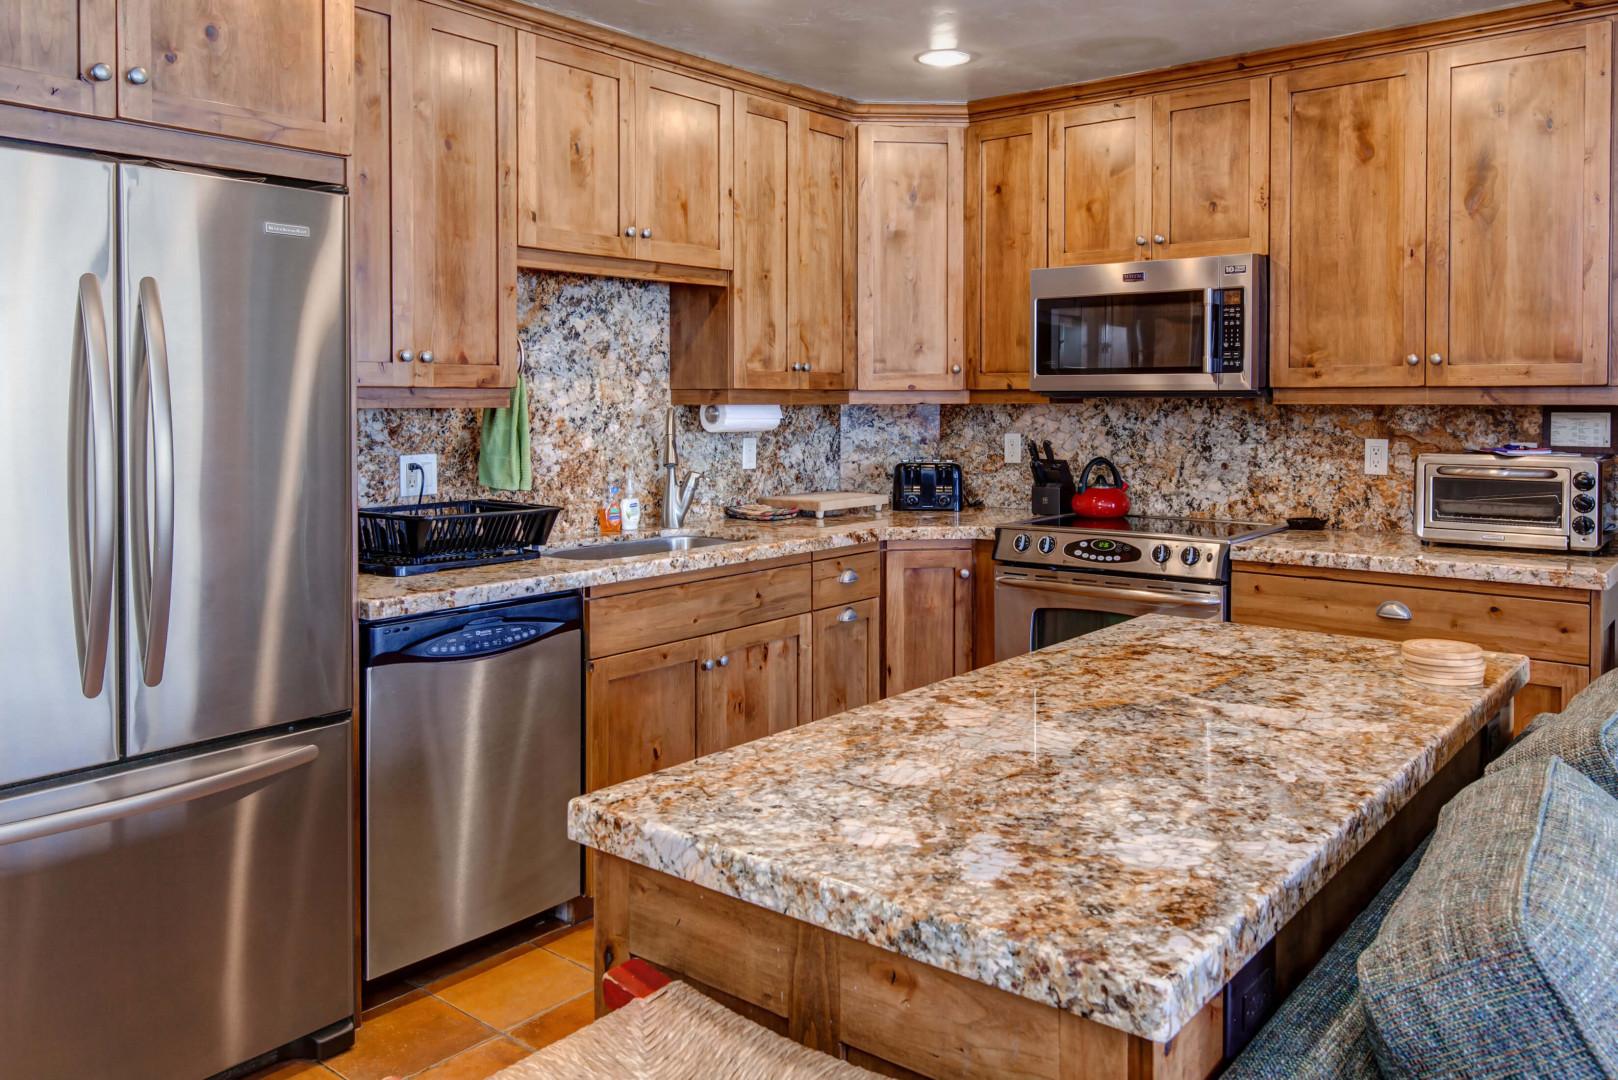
(965, 574)
(405, 356)
(955, 369)
(1140, 241)
(630, 232)
(137, 75)
(1393, 609)
(1412, 359)
(1159, 238)
(808, 366)
(425, 357)
(707, 665)
(646, 234)
(848, 577)
(100, 72)
(849, 615)
(724, 661)
(1435, 358)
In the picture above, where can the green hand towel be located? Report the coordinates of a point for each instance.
(503, 461)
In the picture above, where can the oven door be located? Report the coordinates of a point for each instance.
(1033, 609)
(1519, 505)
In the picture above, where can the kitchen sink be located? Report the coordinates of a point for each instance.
(628, 549)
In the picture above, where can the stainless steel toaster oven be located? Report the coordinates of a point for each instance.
(1548, 502)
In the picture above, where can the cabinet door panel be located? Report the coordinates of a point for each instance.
(272, 72)
(759, 281)
(378, 233)
(47, 48)
(848, 657)
(910, 285)
(1519, 158)
(760, 683)
(683, 163)
(927, 610)
(463, 277)
(1347, 262)
(574, 124)
(1211, 169)
(1100, 182)
(642, 712)
(820, 286)
(1005, 243)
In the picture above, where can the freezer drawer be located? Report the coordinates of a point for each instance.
(175, 919)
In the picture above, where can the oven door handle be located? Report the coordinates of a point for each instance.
(1496, 472)
(1107, 592)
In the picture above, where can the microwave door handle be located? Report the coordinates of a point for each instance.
(1210, 361)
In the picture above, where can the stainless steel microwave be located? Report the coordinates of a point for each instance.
(1550, 502)
(1163, 326)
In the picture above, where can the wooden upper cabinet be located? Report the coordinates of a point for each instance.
(821, 251)
(762, 270)
(761, 682)
(1101, 182)
(1211, 170)
(277, 72)
(1348, 166)
(49, 52)
(683, 160)
(1518, 214)
(928, 611)
(1005, 243)
(462, 264)
(376, 191)
(911, 305)
(575, 118)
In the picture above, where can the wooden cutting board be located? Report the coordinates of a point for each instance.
(821, 503)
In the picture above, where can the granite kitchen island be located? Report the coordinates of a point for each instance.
(1052, 866)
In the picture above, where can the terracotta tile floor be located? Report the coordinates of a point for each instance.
(469, 1015)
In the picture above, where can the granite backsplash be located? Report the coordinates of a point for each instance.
(595, 354)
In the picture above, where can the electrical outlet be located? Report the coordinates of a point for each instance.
(413, 484)
(749, 452)
(1376, 457)
(1013, 448)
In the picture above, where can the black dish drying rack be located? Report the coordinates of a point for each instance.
(418, 538)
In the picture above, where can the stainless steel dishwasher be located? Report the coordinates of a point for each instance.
(473, 747)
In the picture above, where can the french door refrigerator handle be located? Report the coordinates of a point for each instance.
(92, 503)
(153, 504)
(144, 802)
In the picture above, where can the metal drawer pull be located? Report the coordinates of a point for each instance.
(1393, 609)
(849, 615)
(848, 577)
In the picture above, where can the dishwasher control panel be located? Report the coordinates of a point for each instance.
(491, 636)
(463, 634)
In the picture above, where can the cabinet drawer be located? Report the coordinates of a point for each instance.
(1542, 629)
(846, 578)
(639, 620)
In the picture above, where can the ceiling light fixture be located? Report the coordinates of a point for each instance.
(944, 58)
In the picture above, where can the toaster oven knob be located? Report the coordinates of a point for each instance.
(912, 499)
(1584, 503)
(1190, 556)
(1021, 542)
(1047, 544)
(1583, 526)
(1160, 554)
(1584, 481)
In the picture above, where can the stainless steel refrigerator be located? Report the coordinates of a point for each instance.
(175, 654)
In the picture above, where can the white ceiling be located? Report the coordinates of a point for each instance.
(865, 49)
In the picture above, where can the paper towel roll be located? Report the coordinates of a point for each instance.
(735, 418)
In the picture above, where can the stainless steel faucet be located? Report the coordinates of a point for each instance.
(676, 500)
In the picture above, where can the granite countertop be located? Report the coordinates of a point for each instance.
(1113, 826)
(1402, 553)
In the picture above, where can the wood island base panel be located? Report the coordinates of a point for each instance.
(1111, 828)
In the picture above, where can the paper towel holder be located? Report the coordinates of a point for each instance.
(736, 419)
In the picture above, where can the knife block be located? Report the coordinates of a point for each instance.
(1052, 500)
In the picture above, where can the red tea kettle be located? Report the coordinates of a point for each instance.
(1101, 501)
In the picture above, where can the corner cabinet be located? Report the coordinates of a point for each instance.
(911, 296)
(1442, 218)
(433, 225)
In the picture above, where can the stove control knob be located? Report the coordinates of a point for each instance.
(1020, 542)
(1583, 503)
(1190, 556)
(1160, 554)
(1583, 526)
(1584, 481)
(1047, 544)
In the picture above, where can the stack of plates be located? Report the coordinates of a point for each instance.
(1443, 663)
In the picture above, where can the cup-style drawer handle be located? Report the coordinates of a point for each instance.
(848, 577)
(849, 615)
(1393, 609)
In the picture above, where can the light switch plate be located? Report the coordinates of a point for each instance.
(749, 452)
(1376, 457)
(412, 484)
(1013, 448)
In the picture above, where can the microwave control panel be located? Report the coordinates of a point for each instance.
(1230, 324)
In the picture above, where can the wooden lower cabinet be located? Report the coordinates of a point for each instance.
(642, 712)
(760, 683)
(848, 657)
(929, 612)
(1564, 632)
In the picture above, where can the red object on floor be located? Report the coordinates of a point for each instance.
(634, 978)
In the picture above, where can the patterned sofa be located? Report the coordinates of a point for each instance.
(1493, 951)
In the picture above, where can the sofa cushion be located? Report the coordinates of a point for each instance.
(1585, 735)
(1501, 956)
(1319, 1032)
